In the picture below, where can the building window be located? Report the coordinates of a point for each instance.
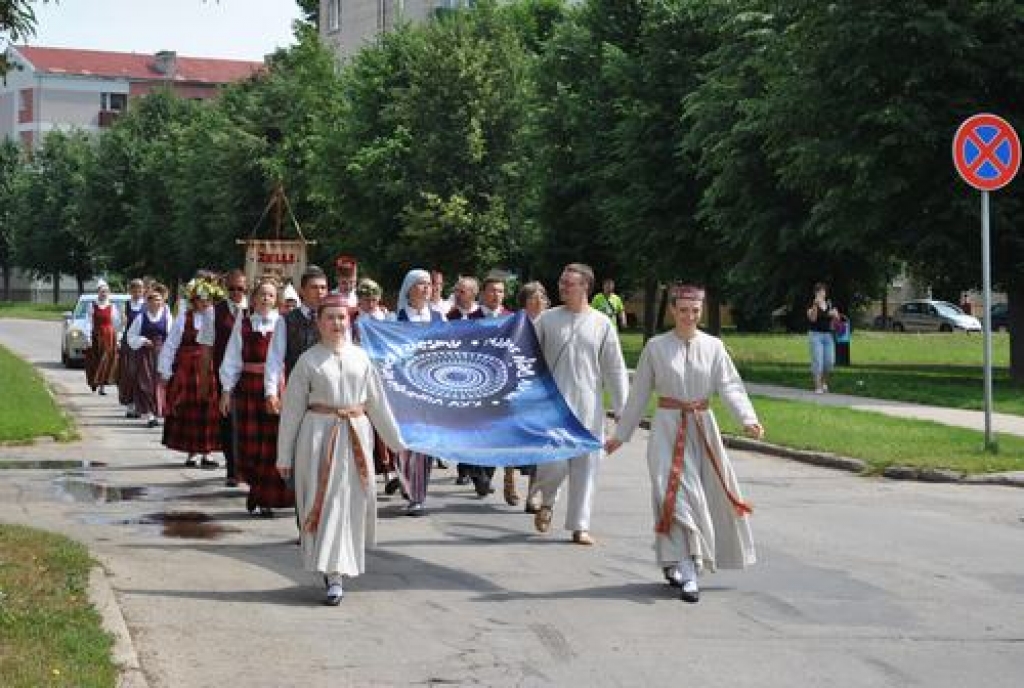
(24, 100)
(117, 102)
(333, 15)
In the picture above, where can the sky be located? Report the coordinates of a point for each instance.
(236, 29)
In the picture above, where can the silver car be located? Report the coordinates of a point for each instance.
(76, 335)
(928, 315)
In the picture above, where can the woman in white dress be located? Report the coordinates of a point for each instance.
(325, 441)
(699, 513)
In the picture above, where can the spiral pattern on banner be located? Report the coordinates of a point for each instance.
(456, 375)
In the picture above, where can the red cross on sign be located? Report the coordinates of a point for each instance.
(986, 152)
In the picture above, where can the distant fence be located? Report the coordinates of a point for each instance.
(41, 295)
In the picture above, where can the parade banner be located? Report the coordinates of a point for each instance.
(474, 391)
(285, 259)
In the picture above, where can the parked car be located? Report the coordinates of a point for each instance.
(1000, 317)
(928, 315)
(76, 334)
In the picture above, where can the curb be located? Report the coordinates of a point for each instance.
(123, 652)
(846, 463)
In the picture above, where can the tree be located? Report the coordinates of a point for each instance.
(429, 136)
(49, 237)
(10, 167)
(18, 22)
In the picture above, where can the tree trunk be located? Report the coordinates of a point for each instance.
(650, 301)
(714, 311)
(1015, 304)
(56, 287)
(7, 280)
(662, 304)
(81, 284)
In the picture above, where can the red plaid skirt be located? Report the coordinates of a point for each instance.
(256, 445)
(126, 372)
(101, 358)
(193, 421)
(146, 391)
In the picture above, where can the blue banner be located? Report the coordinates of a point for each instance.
(474, 391)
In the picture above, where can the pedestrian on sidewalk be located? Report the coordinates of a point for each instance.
(821, 316)
(101, 357)
(146, 338)
(254, 430)
(126, 372)
(700, 516)
(326, 443)
(192, 424)
(216, 335)
(581, 348)
(610, 303)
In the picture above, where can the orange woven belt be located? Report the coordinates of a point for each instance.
(675, 475)
(347, 414)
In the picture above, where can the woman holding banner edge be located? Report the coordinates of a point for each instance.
(700, 515)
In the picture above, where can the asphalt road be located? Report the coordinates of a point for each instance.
(861, 582)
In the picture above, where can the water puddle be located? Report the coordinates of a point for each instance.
(98, 493)
(194, 525)
(49, 464)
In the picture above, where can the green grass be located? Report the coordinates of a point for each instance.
(49, 633)
(34, 311)
(879, 440)
(26, 408)
(936, 369)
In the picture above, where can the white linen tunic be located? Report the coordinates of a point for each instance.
(705, 526)
(338, 379)
(583, 353)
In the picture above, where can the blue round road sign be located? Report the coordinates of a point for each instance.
(986, 152)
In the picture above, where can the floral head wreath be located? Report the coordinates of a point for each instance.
(205, 288)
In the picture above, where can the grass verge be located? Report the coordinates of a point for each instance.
(27, 410)
(935, 369)
(34, 311)
(51, 635)
(880, 440)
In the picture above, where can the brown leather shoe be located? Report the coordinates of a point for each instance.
(582, 537)
(542, 519)
(511, 497)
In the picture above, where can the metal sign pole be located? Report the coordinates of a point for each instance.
(986, 280)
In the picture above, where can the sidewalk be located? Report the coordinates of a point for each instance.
(975, 420)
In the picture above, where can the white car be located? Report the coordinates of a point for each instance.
(928, 315)
(76, 334)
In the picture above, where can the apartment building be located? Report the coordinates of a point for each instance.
(348, 25)
(64, 88)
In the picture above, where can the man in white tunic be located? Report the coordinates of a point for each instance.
(581, 348)
(699, 513)
(326, 440)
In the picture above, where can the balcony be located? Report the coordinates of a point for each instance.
(108, 117)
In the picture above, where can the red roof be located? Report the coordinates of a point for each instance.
(135, 66)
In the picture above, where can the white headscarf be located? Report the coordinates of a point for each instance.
(102, 298)
(290, 294)
(411, 278)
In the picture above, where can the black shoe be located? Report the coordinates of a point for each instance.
(334, 595)
(673, 577)
(132, 414)
(265, 512)
(391, 486)
(209, 463)
(102, 392)
(482, 486)
(691, 596)
(151, 423)
(441, 464)
(190, 462)
(461, 480)
(250, 503)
